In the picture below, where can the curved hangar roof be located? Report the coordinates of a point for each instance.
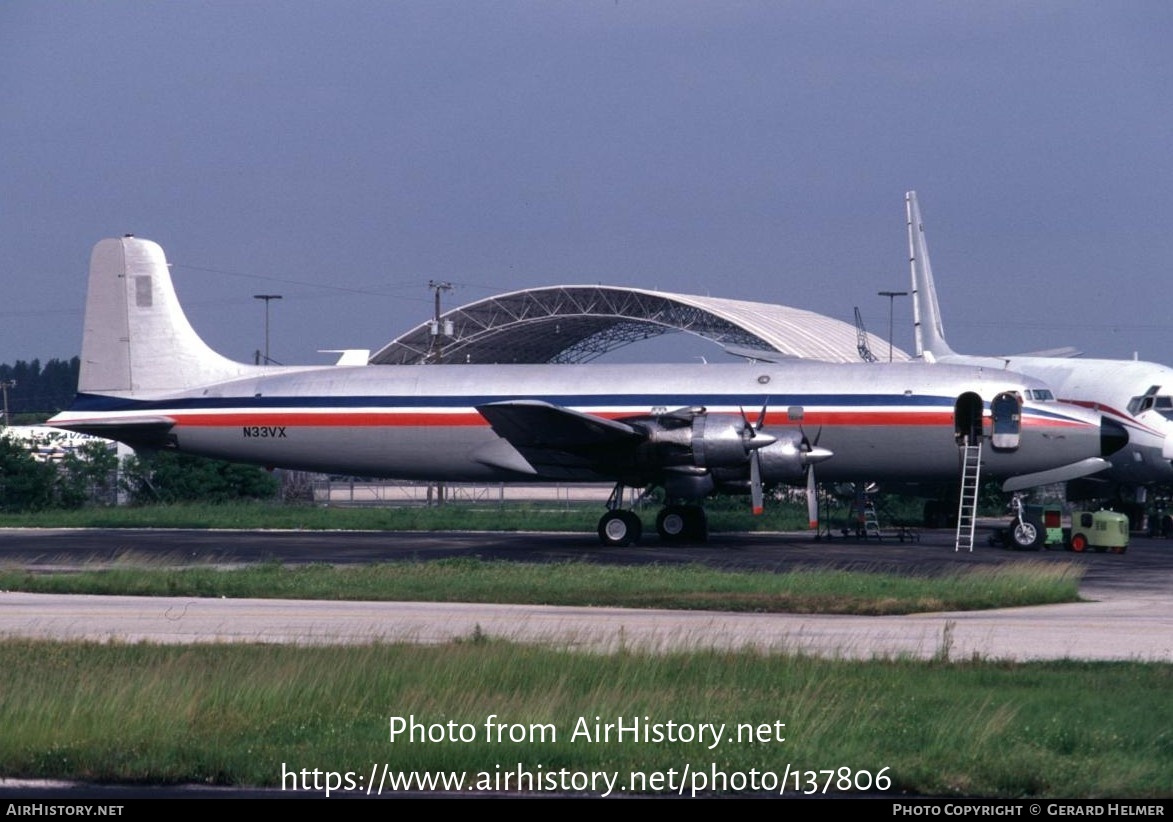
(577, 323)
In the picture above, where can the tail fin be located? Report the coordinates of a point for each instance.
(926, 313)
(137, 339)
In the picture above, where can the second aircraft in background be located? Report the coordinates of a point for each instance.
(1135, 394)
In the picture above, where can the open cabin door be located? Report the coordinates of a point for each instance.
(1006, 419)
(967, 419)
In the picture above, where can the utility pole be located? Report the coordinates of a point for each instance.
(434, 356)
(267, 298)
(4, 386)
(891, 295)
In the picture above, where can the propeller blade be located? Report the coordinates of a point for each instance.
(754, 427)
(762, 415)
(755, 483)
(812, 498)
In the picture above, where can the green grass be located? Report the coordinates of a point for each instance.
(690, 587)
(724, 515)
(236, 715)
(239, 714)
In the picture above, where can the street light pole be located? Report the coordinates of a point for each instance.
(437, 329)
(266, 298)
(891, 295)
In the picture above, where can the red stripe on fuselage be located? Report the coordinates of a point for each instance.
(331, 419)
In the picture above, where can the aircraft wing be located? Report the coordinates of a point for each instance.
(559, 442)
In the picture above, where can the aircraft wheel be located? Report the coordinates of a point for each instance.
(1025, 535)
(1079, 543)
(672, 523)
(619, 529)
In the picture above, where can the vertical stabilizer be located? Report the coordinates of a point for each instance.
(137, 339)
(926, 312)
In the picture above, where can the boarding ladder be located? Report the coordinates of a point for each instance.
(871, 525)
(971, 467)
(867, 526)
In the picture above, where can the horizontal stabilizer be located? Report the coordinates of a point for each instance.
(1063, 352)
(137, 432)
(349, 356)
(1075, 470)
(757, 354)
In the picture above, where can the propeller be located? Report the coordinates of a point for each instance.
(812, 454)
(754, 441)
(812, 499)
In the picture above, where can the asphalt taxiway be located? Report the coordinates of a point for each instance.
(1127, 615)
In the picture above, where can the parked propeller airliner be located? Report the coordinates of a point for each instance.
(1135, 394)
(148, 380)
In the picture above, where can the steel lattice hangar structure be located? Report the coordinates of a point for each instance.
(579, 323)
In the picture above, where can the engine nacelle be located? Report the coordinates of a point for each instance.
(722, 440)
(694, 453)
(693, 438)
(787, 459)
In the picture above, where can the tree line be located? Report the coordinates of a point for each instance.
(36, 392)
(94, 475)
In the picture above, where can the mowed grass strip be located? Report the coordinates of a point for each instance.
(682, 587)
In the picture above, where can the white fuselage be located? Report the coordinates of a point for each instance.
(881, 421)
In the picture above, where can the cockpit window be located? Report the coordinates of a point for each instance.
(1040, 394)
(1163, 405)
(1138, 404)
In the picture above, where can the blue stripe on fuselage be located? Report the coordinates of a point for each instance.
(99, 403)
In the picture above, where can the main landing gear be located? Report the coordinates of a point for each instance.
(619, 528)
(682, 523)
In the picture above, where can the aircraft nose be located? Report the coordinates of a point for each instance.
(1167, 441)
(1113, 437)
